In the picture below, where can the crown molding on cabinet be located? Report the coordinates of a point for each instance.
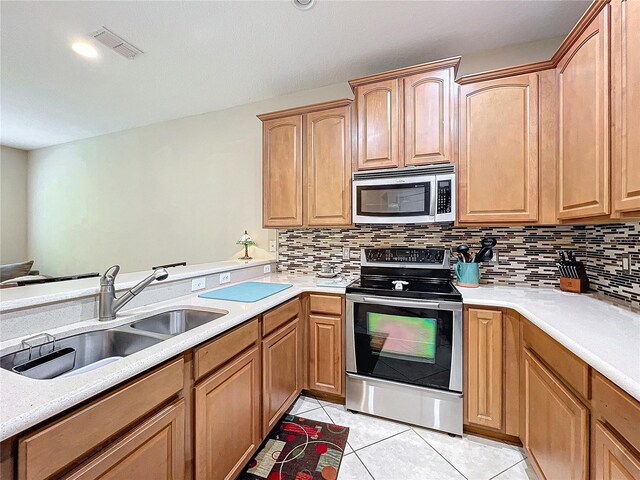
(586, 19)
(406, 71)
(315, 107)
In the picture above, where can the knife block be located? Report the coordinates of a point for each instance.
(576, 285)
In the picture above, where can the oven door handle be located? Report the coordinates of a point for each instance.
(400, 303)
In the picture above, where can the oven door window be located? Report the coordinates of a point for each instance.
(408, 345)
(394, 200)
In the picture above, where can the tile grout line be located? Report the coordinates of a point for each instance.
(508, 468)
(443, 457)
(374, 443)
(364, 465)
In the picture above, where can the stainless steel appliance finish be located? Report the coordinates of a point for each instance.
(404, 347)
(405, 195)
(426, 407)
(109, 304)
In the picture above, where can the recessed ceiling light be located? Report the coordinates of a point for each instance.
(85, 49)
(303, 4)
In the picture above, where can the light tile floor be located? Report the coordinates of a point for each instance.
(380, 449)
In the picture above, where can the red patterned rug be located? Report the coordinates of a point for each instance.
(299, 449)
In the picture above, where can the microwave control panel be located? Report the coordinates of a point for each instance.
(444, 197)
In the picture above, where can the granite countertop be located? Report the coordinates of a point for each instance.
(574, 320)
(605, 336)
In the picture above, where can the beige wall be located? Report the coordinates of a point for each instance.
(179, 190)
(13, 205)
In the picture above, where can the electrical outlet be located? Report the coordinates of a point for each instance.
(346, 251)
(266, 269)
(496, 257)
(225, 277)
(626, 263)
(272, 246)
(198, 283)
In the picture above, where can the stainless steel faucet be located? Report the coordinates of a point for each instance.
(109, 303)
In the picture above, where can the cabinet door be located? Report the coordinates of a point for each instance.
(498, 167)
(327, 167)
(625, 60)
(378, 125)
(583, 160)
(428, 119)
(281, 372)
(325, 354)
(227, 418)
(155, 450)
(556, 424)
(282, 172)
(613, 460)
(484, 367)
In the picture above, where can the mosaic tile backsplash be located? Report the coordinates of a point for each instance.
(527, 255)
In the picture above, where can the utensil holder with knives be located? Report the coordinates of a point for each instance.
(573, 274)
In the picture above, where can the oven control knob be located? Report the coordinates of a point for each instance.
(399, 284)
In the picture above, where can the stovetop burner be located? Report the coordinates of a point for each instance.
(421, 273)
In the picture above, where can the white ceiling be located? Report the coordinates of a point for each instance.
(205, 56)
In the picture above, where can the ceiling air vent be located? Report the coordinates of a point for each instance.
(116, 43)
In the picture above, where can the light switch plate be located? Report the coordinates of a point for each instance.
(198, 284)
(272, 246)
(225, 277)
(345, 253)
(267, 269)
(626, 263)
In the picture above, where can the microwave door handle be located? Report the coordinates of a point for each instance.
(434, 196)
(400, 303)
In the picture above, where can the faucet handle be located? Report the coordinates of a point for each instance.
(109, 279)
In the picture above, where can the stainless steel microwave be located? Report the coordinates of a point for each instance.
(405, 195)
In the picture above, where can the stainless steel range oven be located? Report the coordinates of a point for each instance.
(404, 339)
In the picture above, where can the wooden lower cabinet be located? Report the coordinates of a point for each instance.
(556, 424)
(612, 458)
(325, 358)
(281, 372)
(484, 366)
(154, 450)
(227, 418)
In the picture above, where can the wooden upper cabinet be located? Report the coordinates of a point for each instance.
(484, 366)
(428, 119)
(378, 125)
(583, 157)
(625, 61)
(282, 172)
(556, 424)
(327, 167)
(498, 165)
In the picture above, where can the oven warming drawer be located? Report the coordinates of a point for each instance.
(426, 407)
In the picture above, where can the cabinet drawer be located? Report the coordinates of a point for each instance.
(617, 409)
(222, 349)
(277, 317)
(573, 371)
(56, 446)
(154, 449)
(327, 304)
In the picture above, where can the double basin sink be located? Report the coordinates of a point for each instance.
(84, 352)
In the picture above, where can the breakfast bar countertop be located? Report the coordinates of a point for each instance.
(603, 335)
